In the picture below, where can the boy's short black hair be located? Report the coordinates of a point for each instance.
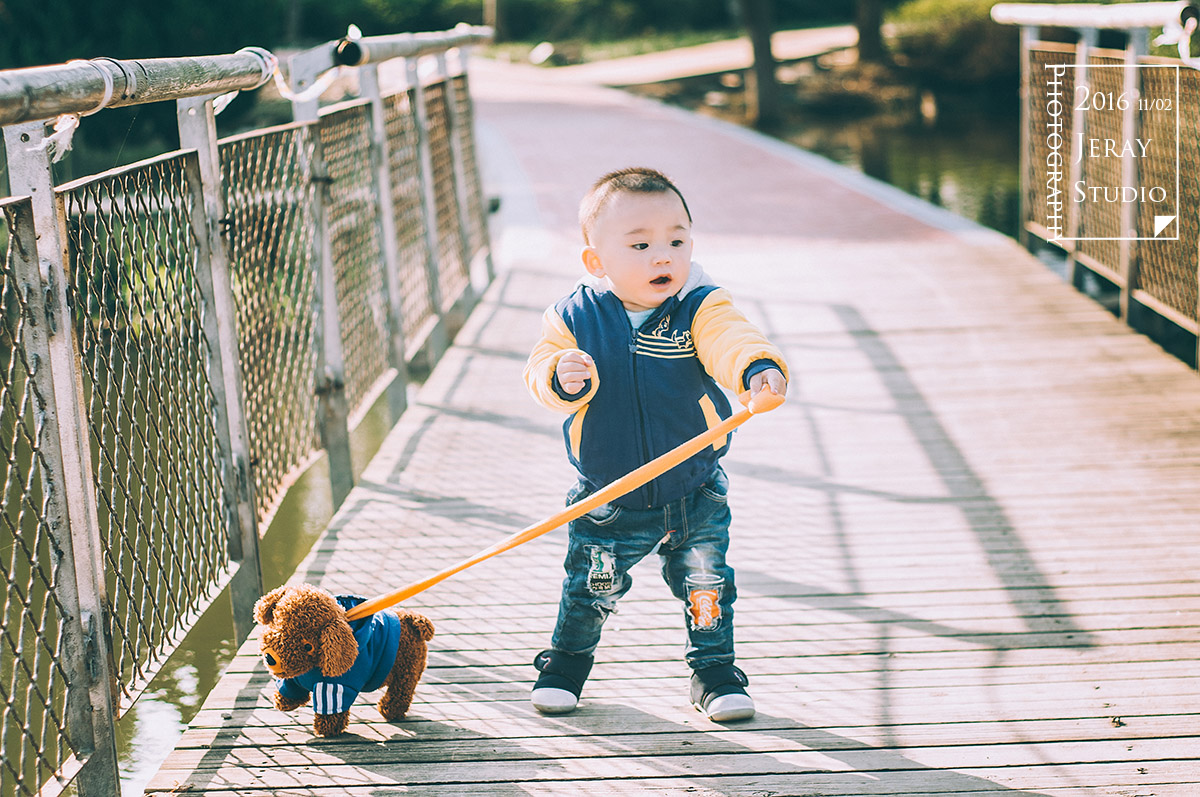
(636, 179)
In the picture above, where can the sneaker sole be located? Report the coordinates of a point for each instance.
(553, 701)
(732, 713)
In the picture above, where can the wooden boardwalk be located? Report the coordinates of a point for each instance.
(966, 548)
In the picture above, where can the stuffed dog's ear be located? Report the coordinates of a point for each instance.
(264, 608)
(338, 648)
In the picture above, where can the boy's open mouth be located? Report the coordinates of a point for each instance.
(663, 280)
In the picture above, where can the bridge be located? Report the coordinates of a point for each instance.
(965, 546)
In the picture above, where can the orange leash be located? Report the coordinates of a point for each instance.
(765, 401)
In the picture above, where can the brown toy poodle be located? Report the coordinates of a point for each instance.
(312, 650)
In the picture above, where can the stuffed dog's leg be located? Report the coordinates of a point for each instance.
(401, 682)
(283, 704)
(398, 691)
(330, 724)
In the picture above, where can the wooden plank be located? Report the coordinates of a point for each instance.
(836, 656)
(950, 762)
(896, 688)
(778, 744)
(732, 786)
(970, 665)
(606, 719)
(819, 711)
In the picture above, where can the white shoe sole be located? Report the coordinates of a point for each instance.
(553, 701)
(729, 708)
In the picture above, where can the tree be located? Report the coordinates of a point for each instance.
(762, 96)
(869, 21)
(491, 18)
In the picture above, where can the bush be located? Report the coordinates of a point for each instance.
(955, 42)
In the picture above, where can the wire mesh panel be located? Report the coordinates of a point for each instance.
(404, 168)
(1167, 268)
(268, 205)
(34, 744)
(1101, 170)
(452, 272)
(1043, 115)
(352, 210)
(159, 484)
(477, 237)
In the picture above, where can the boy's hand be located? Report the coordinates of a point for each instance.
(572, 371)
(772, 377)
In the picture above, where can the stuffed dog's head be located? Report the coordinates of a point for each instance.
(304, 627)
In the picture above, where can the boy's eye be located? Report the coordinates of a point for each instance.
(677, 242)
(640, 247)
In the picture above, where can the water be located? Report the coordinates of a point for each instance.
(966, 159)
(962, 153)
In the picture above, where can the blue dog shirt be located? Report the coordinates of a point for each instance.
(378, 638)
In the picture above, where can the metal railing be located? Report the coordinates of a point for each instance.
(1110, 154)
(182, 337)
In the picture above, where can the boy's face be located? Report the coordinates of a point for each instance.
(642, 243)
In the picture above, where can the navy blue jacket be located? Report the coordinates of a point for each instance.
(652, 388)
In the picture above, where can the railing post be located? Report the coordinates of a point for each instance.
(463, 58)
(460, 179)
(74, 500)
(1136, 47)
(438, 338)
(77, 632)
(368, 82)
(333, 411)
(1087, 40)
(1026, 142)
(197, 130)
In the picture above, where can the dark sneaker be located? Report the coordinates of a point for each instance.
(720, 693)
(561, 680)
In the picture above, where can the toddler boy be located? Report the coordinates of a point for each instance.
(635, 354)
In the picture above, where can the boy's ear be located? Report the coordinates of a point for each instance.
(591, 261)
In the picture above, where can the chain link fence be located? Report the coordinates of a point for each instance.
(159, 485)
(452, 270)
(172, 314)
(33, 679)
(404, 166)
(1104, 129)
(269, 192)
(353, 210)
(1163, 269)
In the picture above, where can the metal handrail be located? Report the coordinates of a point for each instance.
(377, 49)
(84, 87)
(1095, 15)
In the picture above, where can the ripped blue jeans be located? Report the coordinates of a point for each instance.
(605, 543)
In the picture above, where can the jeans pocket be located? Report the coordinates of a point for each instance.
(717, 487)
(604, 514)
(601, 515)
(576, 493)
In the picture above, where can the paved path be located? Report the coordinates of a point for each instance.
(707, 59)
(966, 547)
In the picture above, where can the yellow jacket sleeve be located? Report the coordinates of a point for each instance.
(556, 341)
(727, 343)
